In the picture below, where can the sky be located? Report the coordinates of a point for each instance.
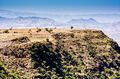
(62, 6)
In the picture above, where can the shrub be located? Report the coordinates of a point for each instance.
(6, 31)
(72, 35)
(92, 53)
(38, 30)
(10, 28)
(15, 32)
(29, 31)
(47, 40)
(48, 30)
(71, 27)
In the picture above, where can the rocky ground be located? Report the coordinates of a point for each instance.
(58, 54)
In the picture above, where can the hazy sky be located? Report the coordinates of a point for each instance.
(63, 6)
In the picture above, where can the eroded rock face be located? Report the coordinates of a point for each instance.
(79, 54)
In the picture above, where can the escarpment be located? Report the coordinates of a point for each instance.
(77, 54)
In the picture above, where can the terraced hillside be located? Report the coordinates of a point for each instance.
(59, 54)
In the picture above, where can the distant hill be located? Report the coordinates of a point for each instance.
(89, 23)
(90, 20)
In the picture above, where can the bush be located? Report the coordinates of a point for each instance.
(55, 28)
(10, 28)
(47, 40)
(72, 35)
(15, 32)
(71, 27)
(48, 30)
(29, 31)
(6, 31)
(38, 30)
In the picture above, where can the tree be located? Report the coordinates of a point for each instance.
(71, 27)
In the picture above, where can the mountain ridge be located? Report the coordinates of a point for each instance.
(71, 54)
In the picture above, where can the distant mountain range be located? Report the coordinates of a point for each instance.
(104, 18)
(83, 22)
(26, 21)
(42, 22)
(33, 21)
